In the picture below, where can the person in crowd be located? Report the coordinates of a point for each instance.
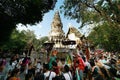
(33, 56)
(24, 64)
(47, 73)
(96, 73)
(79, 64)
(4, 60)
(52, 58)
(58, 61)
(17, 57)
(87, 69)
(2, 67)
(31, 69)
(102, 68)
(101, 60)
(14, 75)
(67, 74)
(118, 66)
(39, 76)
(13, 62)
(29, 76)
(55, 68)
(63, 64)
(39, 66)
(24, 67)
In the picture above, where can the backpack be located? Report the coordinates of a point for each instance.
(60, 77)
(86, 69)
(39, 76)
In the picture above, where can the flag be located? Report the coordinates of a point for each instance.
(87, 52)
(69, 59)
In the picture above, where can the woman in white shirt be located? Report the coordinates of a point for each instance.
(48, 73)
(67, 74)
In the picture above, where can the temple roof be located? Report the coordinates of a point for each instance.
(75, 31)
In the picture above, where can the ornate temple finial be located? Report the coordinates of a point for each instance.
(56, 11)
(70, 25)
(57, 16)
(57, 20)
(56, 32)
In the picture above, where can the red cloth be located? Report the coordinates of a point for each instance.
(81, 65)
(56, 70)
(87, 52)
(14, 78)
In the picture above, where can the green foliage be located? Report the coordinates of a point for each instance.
(40, 42)
(13, 12)
(106, 36)
(26, 11)
(18, 41)
(104, 13)
(92, 11)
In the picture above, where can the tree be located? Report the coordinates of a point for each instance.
(13, 12)
(40, 42)
(19, 41)
(92, 11)
(104, 14)
(15, 43)
(106, 37)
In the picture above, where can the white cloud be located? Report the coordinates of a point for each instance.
(69, 25)
(36, 28)
(21, 27)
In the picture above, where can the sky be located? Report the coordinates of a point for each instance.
(43, 28)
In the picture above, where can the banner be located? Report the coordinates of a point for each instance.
(87, 52)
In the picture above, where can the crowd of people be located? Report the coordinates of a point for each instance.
(102, 66)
